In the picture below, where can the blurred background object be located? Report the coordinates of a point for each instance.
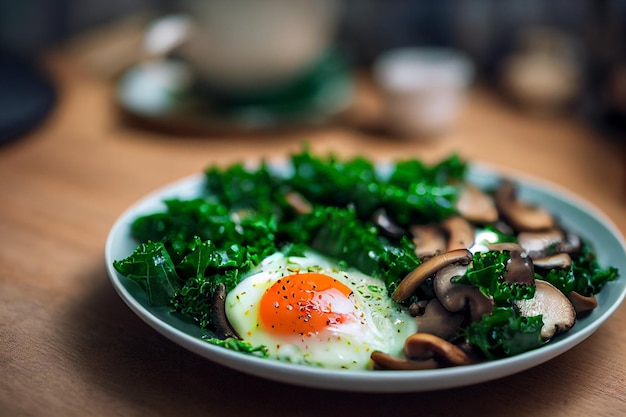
(241, 46)
(240, 65)
(26, 95)
(556, 57)
(543, 74)
(422, 88)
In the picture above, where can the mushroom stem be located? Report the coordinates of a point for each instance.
(415, 278)
(423, 346)
(384, 361)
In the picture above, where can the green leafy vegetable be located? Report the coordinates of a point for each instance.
(505, 333)
(338, 233)
(150, 265)
(414, 192)
(487, 273)
(239, 346)
(585, 276)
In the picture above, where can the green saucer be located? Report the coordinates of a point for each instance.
(167, 93)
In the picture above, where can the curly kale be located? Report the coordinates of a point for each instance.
(487, 273)
(585, 276)
(505, 333)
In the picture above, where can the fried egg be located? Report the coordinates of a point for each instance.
(308, 310)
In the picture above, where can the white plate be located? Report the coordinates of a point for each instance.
(575, 214)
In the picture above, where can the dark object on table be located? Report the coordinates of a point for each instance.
(26, 96)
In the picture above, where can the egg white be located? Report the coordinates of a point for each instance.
(383, 324)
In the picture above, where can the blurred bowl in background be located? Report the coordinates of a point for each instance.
(422, 88)
(241, 46)
(543, 75)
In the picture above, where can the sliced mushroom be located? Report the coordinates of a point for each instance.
(415, 278)
(456, 297)
(424, 346)
(223, 329)
(571, 244)
(384, 361)
(540, 244)
(476, 206)
(519, 269)
(508, 246)
(557, 261)
(300, 204)
(429, 240)
(557, 311)
(503, 227)
(461, 234)
(387, 226)
(438, 321)
(521, 216)
(582, 303)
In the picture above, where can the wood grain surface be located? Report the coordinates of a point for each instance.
(70, 347)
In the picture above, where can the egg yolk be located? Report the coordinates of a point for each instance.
(305, 304)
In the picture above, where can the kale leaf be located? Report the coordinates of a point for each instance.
(151, 267)
(487, 273)
(585, 276)
(505, 333)
(340, 234)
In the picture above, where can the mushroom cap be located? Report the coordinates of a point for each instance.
(502, 246)
(582, 303)
(519, 269)
(475, 205)
(223, 328)
(424, 346)
(438, 321)
(429, 240)
(572, 244)
(456, 297)
(558, 312)
(557, 261)
(415, 278)
(537, 244)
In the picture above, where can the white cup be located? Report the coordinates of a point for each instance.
(422, 88)
(243, 45)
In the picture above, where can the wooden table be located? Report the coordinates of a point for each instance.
(69, 346)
